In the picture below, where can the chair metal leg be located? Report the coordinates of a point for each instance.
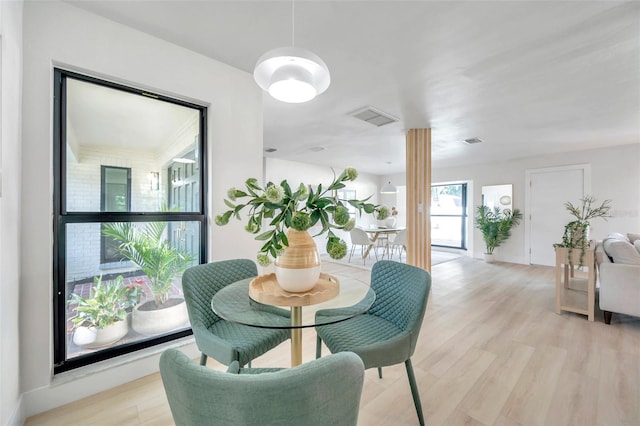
(203, 359)
(414, 390)
(318, 347)
(380, 372)
(353, 247)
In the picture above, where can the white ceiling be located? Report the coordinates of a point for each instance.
(527, 77)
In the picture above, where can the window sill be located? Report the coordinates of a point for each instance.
(99, 367)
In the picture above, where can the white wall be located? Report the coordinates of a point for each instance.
(57, 33)
(615, 175)
(10, 169)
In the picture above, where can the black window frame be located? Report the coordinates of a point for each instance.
(62, 217)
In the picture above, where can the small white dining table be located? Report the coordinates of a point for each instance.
(375, 234)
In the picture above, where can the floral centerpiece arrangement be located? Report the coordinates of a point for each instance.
(280, 208)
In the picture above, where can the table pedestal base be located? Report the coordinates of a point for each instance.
(296, 335)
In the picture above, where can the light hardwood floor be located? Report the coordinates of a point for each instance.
(491, 352)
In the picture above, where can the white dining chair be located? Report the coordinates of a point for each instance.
(400, 241)
(360, 238)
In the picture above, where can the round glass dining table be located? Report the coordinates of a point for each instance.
(233, 303)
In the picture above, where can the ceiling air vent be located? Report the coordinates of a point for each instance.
(270, 150)
(374, 116)
(471, 141)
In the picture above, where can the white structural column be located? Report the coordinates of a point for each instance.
(419, 198)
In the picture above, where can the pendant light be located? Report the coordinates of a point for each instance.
(389, 188)
(292, 74)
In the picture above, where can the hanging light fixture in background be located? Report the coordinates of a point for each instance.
(292, 74)
(389, 188)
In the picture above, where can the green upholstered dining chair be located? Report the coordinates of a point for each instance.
(321, 392)
(222, 340)
(388, 332)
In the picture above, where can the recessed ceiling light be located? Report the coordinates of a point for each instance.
(270, 149)
(317, 149)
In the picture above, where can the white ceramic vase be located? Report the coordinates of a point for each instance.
(298, 269)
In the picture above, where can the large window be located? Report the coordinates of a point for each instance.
(129, 217)
(449, 215)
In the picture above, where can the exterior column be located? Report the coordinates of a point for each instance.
(418, 148)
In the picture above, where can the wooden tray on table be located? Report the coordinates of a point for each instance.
(265, 289)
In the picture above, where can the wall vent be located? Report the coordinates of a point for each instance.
(374, 116)
(471, 141)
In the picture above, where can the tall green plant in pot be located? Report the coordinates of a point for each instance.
(576, 232)
(495, 225)
(148, 248)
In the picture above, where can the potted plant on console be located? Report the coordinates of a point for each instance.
(101, 318)
(148, 248)
(495, 225)
(289, 213)
(576, 232)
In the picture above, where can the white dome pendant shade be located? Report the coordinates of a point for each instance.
(389, 188)
(292, 74)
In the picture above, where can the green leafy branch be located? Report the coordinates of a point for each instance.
(279, 208)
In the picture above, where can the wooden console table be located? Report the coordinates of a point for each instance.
(576, 293)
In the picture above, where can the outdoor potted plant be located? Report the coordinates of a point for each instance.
(288, 214)
(576, 232)
(149, 249)
(101, 318)
(495, 225)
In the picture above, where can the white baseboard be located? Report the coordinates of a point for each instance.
(17, 418)
(508, 259)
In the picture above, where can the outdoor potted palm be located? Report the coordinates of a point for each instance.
(289, 214)
(101, 318)
(495, 225)
(148, 248)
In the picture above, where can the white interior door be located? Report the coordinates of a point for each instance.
(549, 190)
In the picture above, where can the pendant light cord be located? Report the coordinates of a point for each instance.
(293, 24)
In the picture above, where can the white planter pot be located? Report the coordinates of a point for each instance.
(84, 336)
(159, 320)
(92, 337)
(390, 222)
(489, 258)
